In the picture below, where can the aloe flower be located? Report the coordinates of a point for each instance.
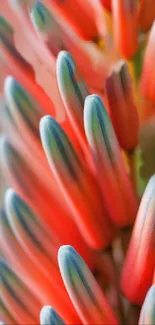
(77, 184)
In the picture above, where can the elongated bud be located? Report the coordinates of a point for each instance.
(76, 184)
(48, 316)
(74, 16)
(25, 113)
(43, 20)
(125, 27)
(37, 240)
(22, 107)
(47, 28)
(33, 276)
(140, 259)
(20, 261)
(72, 89)
(21, 176)
(147, 84)
(122, 108)
(20, 301)
(30, 187)
(147, 314)
(84, 292)
(111, 173)
(146, 14)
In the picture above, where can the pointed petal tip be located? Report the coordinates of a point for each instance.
(40, 16)
(48, 315)
(65, 249)
(10, 198)
(9, 85)
(45, 118)
(64, 55)
(10, 193)
(64, 66)
(92, 100)
(64, 253)
(45, 123)
(14, 92)
(93, 108)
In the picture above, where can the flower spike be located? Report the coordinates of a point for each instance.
(76, 183)
(111, 172)
(48, 316)
(140, 259)
(84, 292)
(74, 166)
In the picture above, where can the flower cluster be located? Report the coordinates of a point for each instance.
(77, 212)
